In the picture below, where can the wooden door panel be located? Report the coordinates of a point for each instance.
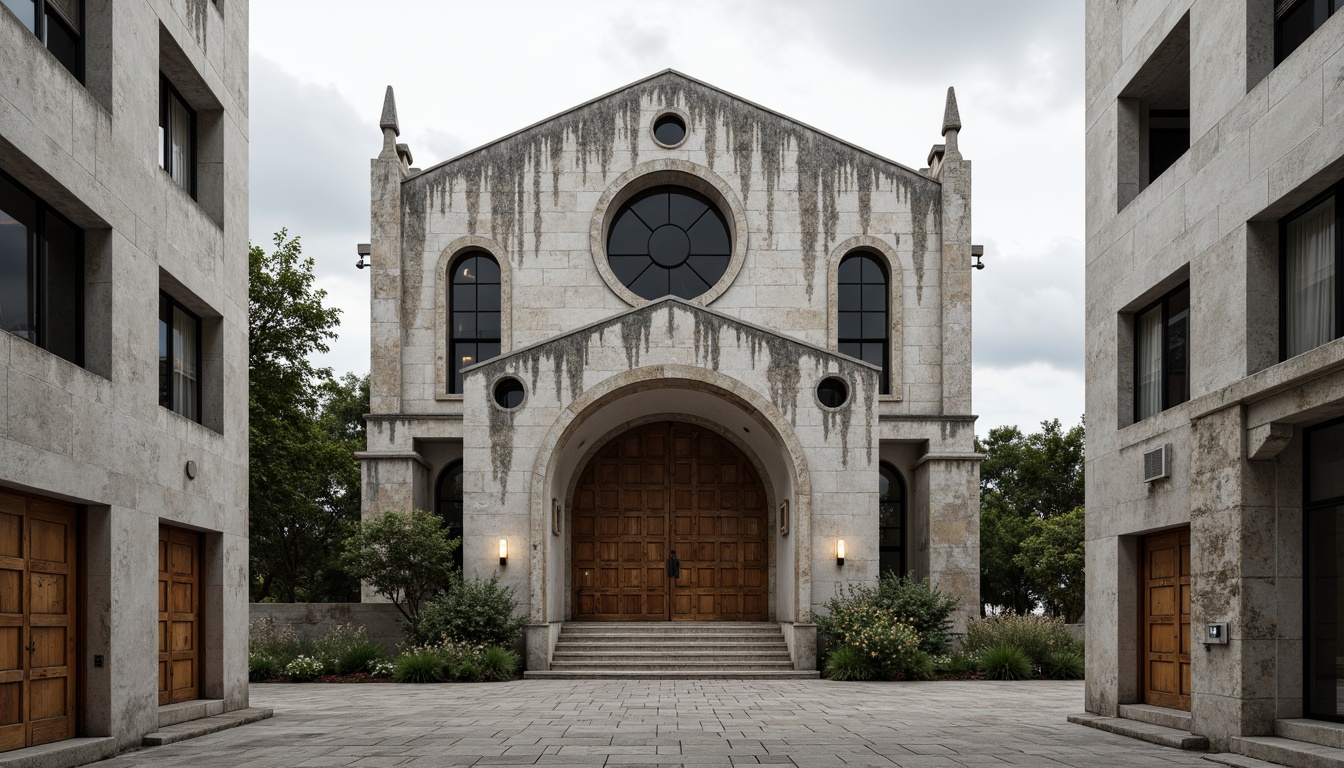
(179, 624)
(1166, 619)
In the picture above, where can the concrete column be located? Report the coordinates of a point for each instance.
(946, 529)
(1112, 622)
(391, 482)
(385, 281)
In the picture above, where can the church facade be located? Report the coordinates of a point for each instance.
(670, 320)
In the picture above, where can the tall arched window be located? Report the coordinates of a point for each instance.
(448, 504)
(863, 330)
(473, 333)
(891, 520)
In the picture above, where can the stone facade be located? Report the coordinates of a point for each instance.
(94, 435)
(742, 358)
(1263, 140)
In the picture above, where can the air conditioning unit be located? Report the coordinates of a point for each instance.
(1157, 464)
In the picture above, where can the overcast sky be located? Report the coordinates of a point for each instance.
(873, 72)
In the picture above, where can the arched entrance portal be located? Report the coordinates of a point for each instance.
(669, 486)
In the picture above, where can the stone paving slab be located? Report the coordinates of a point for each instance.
(667, 724)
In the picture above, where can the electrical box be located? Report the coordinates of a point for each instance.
(1215, 634)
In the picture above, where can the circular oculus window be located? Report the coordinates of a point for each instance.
(509, 393)
(669, 241)
(669, 129)
(832, 392)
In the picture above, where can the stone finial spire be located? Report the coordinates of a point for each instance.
(951, 116)
(389, 119)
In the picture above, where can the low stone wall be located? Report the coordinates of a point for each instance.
(317, 619)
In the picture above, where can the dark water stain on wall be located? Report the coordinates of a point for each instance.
(196, 10)
(592, 135)
(501, 446)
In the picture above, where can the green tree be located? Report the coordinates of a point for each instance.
(406, 557)
(1024, 479)
(1052, 557)
(301, 494)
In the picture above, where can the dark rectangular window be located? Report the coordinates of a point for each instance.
(1323, 541)
(57, 23)
(1311, 246)
(179, 358)
(177, 137)
(1168, 139)
(41, 274)
(1296, 20)
(1162, 354)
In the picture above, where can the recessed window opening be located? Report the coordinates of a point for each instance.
(448, 502)
(58, 24)
(1312, 248)
(474, 331)
(669, 129)
(41, 274)
(669, 241)
(179, 358)
(833, 392)
(1153, 113)
(177, 137)
(1168, 139)
(1162, 354)
(863, 329)
(509, 393)
(1323, 518)
(1297, 20)
(891, 520)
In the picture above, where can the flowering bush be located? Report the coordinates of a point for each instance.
(382, 668)
(887, 642)
(1037, 636)
(304, 669)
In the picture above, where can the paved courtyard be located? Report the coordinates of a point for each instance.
(650, 723)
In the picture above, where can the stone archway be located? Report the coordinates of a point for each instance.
(667, 486)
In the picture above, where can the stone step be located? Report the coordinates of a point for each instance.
(605, 657)
(652, 639)
(1239, 761)
(670, 647)
(1164, 716)
(1298, 754)
(1154, 734)
(647, 674)
(708, 666)
(1311, 731)
(767, 630)
(206, 725)
(181, 712)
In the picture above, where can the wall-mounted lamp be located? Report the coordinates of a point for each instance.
(977, 251)
(839, 551)
(364, 250)
(503, 551)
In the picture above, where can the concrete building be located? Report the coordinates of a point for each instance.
(1215, 457)
(123, 370)
(670, 319)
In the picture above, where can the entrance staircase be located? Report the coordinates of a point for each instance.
(671, 650)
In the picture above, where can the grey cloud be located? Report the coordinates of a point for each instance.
(1028, 308)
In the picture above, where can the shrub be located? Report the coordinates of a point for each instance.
(498, 663)
(958, 664)
(304, 669)
(360, 657)
(262, 667)
(477, 612)
(282, 645)
(1005, 662)
(1064, 664)
(848, 663)
(925, 608)
(1036, 636)
(405, 556)
(383, 668)
(921, 666)
(418, 665)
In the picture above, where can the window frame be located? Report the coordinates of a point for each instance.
(167, 317)
(904, 503)
(453, 373)
(884, 383)
(168, 91)
(1328, 7)
(440, 501)
(1335, 190)
(37, 270)
(1309, 506)
(39, 31)
(1163, 302)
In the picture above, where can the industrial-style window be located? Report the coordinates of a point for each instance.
(1162, 354)
(448, 503)
(474, 333)
(1323, 568)
(179, 358)
(177, 137)
(669, 241)
(41, 274)
(863, 330)
(1311, 246)
(1296, 20)
(891, 520)
(57, 23)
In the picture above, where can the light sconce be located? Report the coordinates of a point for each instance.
(840, 552)
(364, 250)
(977, 253)
(503, 551)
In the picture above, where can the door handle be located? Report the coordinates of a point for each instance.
(32, 647)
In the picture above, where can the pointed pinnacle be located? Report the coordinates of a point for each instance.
(951, 117)
(389, 119)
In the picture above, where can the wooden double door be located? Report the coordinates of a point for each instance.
(1166, 619)
(663, 487)
(179, 615)
(38, 620)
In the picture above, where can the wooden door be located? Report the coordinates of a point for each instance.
(660, 487)
(37, 620)
(179, 614)
(1166, 619)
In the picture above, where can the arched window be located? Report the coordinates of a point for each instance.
(863, 330)
(473, 334)
(891, 520)
(448, 504)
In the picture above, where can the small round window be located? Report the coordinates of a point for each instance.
(669, 241)
(832, 392)
(509, 393)
(669, 129)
